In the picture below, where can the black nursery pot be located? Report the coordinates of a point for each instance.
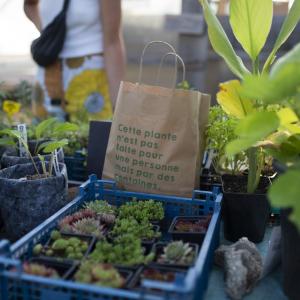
(64, 269)
(244, 215)
(168, 272)
(24, 204)
(189, 236)
(208, 182)
(11, 157)
(290, 254)
(158, 249)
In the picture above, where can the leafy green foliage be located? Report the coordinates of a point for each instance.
(219, 132)
(128, 225)
(285, 193)
(99, 274)
(251, 23)
(287, 28)
(221, 43)
(124, 250)
(149, 210)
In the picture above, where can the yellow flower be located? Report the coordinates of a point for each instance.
(89, 91)
(11, 107)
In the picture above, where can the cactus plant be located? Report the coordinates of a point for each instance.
(177, 253)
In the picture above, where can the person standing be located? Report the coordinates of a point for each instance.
(84, 81)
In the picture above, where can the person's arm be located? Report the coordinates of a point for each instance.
(31, 10)
(113, 45)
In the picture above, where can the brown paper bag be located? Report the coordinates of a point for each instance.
(156, 139)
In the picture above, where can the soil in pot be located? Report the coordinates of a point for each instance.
(24, 204)
(157, 273)
(290, 256)
(244, 215)
(190, 229)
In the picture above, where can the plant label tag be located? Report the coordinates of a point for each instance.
(23, 132)
(55, 163)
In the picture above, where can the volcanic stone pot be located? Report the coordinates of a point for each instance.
(25, 203)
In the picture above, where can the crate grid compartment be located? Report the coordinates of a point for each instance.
(18, 286)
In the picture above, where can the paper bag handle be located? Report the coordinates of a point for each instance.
(177, 56)
(143, 53)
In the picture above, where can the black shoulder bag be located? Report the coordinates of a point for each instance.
(46, 48)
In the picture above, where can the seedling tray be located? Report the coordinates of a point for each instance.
(17, 285)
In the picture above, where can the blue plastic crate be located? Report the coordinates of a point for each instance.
(16, 285)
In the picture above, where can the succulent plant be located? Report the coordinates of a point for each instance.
(177, 253)
(101, 206)
(39, 270)
(149, 210)
(88, 226)
(66, 223)
(99, 274)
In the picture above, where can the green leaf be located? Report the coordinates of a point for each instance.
(258, 125)
(285, 191)
(50, 147)
(63, 128)
(43, 127)
(282, 83)
(287, 28)
(237, 146)
(7, 141)
(232, 102)
(252, 129)
(221, 43)
(251, 22)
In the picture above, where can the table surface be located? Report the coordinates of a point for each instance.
(267, 288)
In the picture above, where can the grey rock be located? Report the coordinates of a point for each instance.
(242, 264)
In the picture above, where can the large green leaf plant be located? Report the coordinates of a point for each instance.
(251, 22)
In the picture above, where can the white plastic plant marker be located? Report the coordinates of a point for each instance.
(23, 132)
(56, 164)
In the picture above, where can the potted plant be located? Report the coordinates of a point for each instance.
(76, 152)
(176, 254)
(281, 87)
(247, 204)
(47, 130)
(32, 192)
(125, 250)
(102, 275)
(156, 273)
(67, 246)
(189, 229)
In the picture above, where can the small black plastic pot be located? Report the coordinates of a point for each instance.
(87, 238)
(76, 166)
(173, 273)
(208, 182)
(126, 273)
(158, 249)
(11, 157)
(290, 255)
(244, 215)
(64, 269)
(24, 204)
(148, 244)
(188, 236)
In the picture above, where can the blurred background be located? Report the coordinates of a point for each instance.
(178, 22)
